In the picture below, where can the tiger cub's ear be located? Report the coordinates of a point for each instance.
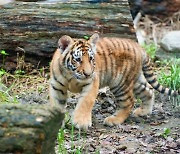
(93, 39)
(64, 42)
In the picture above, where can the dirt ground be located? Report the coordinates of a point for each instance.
(143, 135)
(136, 135)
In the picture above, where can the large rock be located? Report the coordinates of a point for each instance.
(170, 46)
(171, 42)
(3, 2)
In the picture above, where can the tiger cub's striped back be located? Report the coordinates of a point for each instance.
(125, 57)
(84, 66)
(119, 61)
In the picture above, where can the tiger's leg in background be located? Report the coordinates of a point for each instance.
(125, 100)
(146, 93)
(58, 95)
(82, 116)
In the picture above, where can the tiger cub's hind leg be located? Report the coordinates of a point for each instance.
(125, 101)
(146, 93)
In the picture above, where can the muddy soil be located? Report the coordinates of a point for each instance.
(141, 135)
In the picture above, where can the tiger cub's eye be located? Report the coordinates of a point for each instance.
(91, 58)
(78, 59)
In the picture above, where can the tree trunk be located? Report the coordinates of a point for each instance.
(36, 27)
(29, 129)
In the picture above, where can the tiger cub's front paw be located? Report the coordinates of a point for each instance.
(82, 120)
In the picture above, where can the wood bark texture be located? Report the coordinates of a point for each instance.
(36, 27)
(29, 129)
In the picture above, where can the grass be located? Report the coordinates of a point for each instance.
(15, 85)
(170, 77)
(71, 140)
(62, 145)
(25, 79)
(4, 54)
(150, 49)
(166, 132)
(5, 96)
(2, 72)
(23, 84)
(61, 141)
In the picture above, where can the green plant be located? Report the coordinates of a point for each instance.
(86, 37)
(2, 72)
(76, 137)
(97, 151)
(19, 72)
(41, 70)
(61, 142)
(5, 97)
(172, 78)
(72, 137)
(4, 54)
(150, 49)
(40, 89)
(166, 132)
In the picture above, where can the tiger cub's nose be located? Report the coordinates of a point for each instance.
(87, 74)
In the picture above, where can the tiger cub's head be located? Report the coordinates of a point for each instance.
(78, 55)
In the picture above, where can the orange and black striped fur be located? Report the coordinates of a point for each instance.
(83, 66)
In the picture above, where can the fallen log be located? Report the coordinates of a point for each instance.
(35, 27)
(29, 129)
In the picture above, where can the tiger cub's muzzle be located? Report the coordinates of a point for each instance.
(83, 75)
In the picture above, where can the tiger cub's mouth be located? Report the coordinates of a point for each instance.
(82, 76)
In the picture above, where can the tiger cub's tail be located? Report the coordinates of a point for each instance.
(151, 79)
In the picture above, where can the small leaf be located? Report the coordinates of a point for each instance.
(19, 72)
(2, 72)
(86, 37)
(167, 131)
(3, 52)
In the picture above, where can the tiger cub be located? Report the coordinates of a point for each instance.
(83, 66)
